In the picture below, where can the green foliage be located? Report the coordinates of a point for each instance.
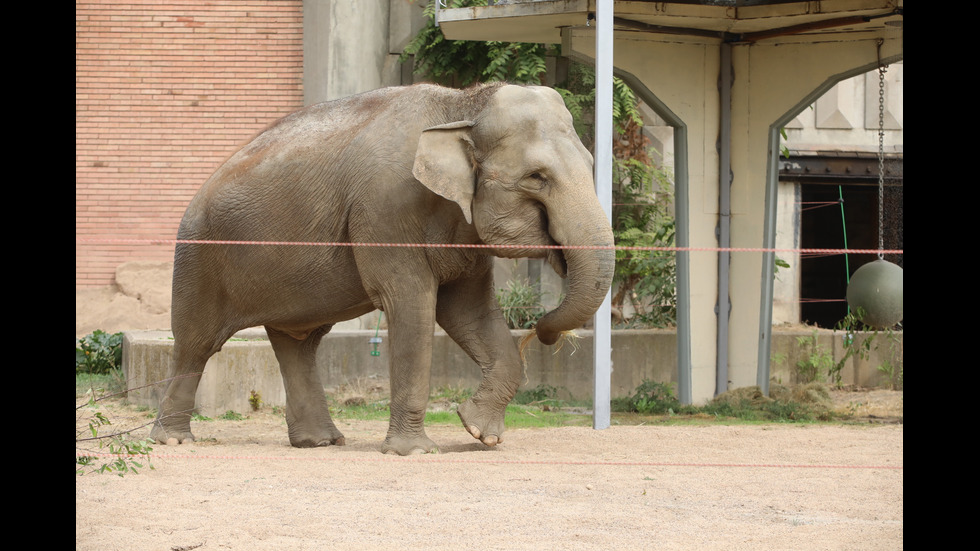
(578, 91)
(455, 394)
(768, 410)
(816, 360)
(231, 416)
(116, 453)
(651, 398)
(893, 368)
(255, 400)
(647, 275)
(860, 346)
(778, 263)
(521, 304)
(642, 202)
(538, 394)
(98, 352)
(461, 63)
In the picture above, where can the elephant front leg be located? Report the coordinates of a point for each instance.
(469, 313)
(410, 329)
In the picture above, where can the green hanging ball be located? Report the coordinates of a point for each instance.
(876, 288)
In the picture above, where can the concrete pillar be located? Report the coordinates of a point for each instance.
(352, 46)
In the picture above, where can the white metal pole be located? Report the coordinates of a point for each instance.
(602, 360)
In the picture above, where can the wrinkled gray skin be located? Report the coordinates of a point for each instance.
(497, 164)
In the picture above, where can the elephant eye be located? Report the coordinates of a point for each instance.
(534, 181)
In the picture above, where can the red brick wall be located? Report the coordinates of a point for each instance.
(164, 92)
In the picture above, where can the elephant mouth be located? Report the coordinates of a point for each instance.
(557, 261)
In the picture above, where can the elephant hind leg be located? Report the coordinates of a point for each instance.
(307, 414)
(173, 422)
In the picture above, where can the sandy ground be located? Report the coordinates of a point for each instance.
(241, 486)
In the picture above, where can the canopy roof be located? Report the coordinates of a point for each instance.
(733, 21)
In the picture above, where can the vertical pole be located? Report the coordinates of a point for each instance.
(724, 217)
(602, 359)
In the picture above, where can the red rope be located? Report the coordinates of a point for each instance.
(476, 246)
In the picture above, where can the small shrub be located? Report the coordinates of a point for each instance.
(521, 304)
(652, 398)
(815, 362)
(98, 353)
(540, 393)
(255, 400)
(126, 451)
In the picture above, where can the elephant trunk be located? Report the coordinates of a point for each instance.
(590, 273)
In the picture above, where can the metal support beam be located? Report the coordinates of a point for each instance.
(602, 360)
(724, 305)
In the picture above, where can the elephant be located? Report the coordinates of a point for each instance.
(491, 170)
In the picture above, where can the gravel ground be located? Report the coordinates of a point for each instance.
(705, 487)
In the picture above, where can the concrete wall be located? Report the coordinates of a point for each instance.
(352, 47)
(247, 363)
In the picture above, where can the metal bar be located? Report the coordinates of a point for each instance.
(768, 264)
(602, 350)
(724, 216)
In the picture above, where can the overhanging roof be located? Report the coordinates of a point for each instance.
(734, 21)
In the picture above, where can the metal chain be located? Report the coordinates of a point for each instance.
(881, 152)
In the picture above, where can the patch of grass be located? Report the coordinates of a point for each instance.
(655, 403)
(361, 410)
(453, 394)
(538, 394)
(100, 384)
(231, 416)
(527, 416)
(650, 403)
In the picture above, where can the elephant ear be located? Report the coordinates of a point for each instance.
(444, 163)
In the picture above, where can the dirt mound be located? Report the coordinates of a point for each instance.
(140, 300)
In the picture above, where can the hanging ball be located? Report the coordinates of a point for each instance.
(876, 288)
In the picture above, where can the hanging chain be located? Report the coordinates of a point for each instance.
(881, 152)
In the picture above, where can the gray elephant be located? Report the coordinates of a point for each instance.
(496, 165)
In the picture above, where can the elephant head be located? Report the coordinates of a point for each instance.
(522, 177)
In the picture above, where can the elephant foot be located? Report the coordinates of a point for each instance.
(172, 436)
(408, 445)
(485, 426)
(326, 438)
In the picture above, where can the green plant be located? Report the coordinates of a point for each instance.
(231, 416)
(642, 216)
(255, 400)
(778, 263)
(116, 453)
(854, 346)
(851, 325)
(456, 394)
(816, 359)
(521, 304)
(540, 393)
(893, 367)
(653, 398)
(98, 352)
(645, 269)
(461, 63)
